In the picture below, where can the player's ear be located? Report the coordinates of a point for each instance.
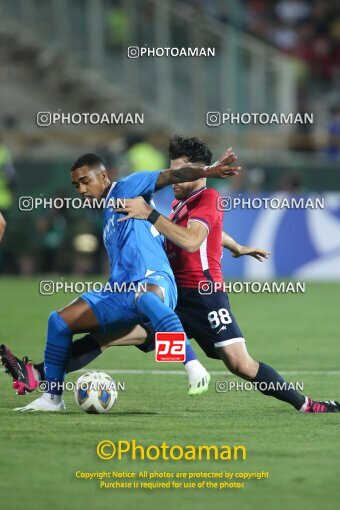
(104, 175)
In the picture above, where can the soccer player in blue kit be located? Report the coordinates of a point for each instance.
(135, 250)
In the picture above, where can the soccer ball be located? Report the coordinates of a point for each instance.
(95, 392)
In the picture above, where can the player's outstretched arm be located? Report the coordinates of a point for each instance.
(237, 250)
(2, 226)
(189, 238)
(191, 171)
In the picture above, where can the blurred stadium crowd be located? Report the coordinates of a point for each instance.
(306, 29)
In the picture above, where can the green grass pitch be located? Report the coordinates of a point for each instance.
(298, 334)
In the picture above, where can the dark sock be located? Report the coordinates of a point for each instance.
(269, 377)
(40, 368)
(83, 351)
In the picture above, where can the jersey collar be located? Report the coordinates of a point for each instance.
(108, 195)
(181, 203)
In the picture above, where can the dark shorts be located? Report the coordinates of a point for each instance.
(207, 318)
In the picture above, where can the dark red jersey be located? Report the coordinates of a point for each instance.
(204, 264)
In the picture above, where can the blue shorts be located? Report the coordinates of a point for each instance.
(117, 310)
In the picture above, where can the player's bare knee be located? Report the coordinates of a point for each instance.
(54, 320)
(155, 289)
(63, 314)
(151, 287)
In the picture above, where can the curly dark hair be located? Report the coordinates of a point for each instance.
(194, 149)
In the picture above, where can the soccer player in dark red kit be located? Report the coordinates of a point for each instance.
(193, 233)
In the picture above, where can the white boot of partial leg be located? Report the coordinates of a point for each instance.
(198, 377)
(47, 402)
(304, 406)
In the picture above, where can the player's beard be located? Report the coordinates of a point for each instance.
(181, 194)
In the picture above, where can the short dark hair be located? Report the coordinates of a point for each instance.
(91, 160)
(192, 148)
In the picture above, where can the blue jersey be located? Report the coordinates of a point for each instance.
(135, 247)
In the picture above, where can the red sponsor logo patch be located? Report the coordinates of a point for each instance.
(170, 346)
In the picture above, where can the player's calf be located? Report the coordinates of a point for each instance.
(269, 382)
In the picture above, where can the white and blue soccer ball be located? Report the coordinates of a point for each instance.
(95, 392)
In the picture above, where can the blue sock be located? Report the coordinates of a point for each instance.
(57, 350)
(162, 318)
(189, 352)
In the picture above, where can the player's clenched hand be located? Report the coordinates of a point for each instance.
(257, 253)
(221, 169)
(134, 208)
